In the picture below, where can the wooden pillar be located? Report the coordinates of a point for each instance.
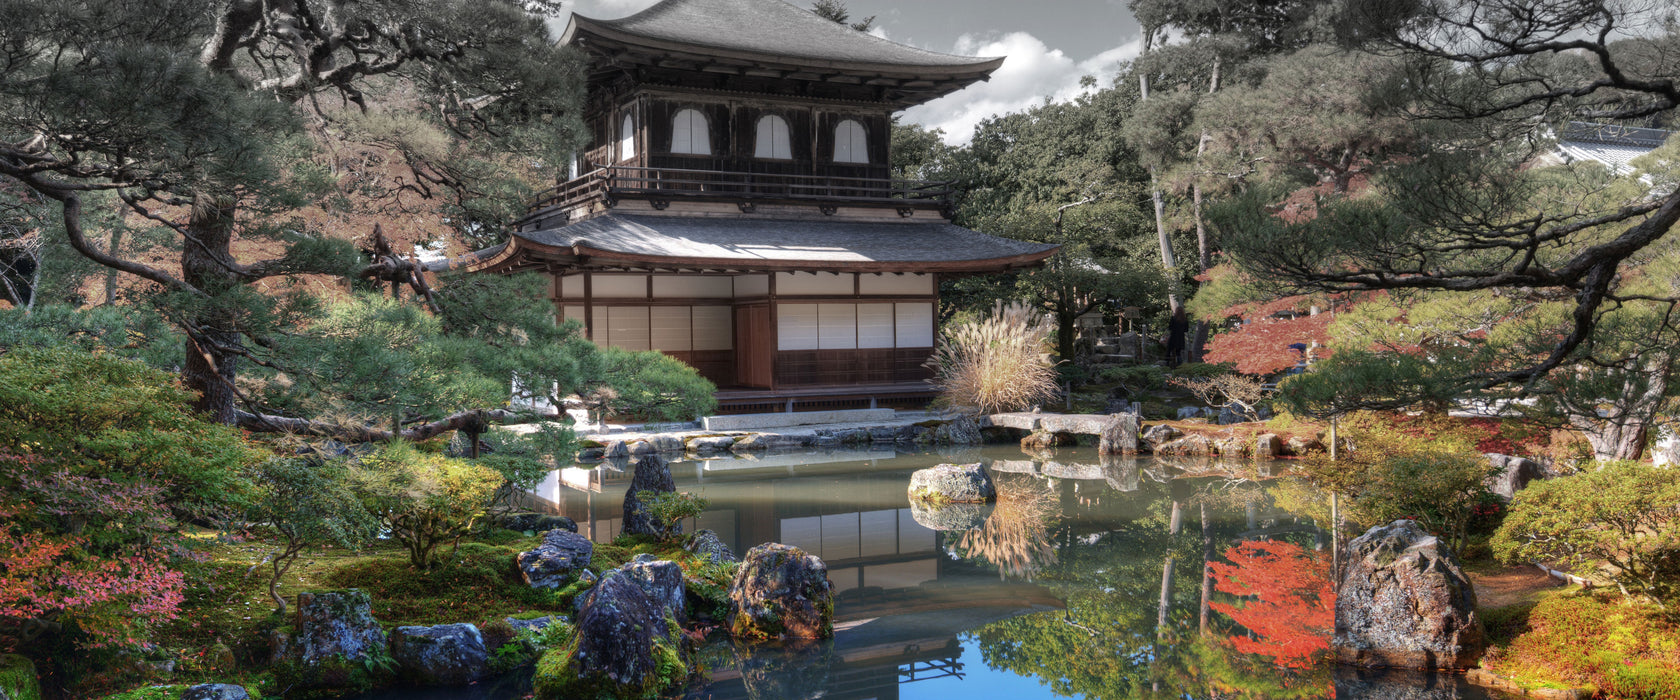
(589, 304)
(775, 334)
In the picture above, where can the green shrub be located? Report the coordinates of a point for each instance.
(309, 504)
(1135, 379)
(1625, 515)
(423, 500)
(670, 508)
(1440, 483)
(1203, 370)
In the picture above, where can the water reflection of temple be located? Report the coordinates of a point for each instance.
(902, 601)
(841, 505)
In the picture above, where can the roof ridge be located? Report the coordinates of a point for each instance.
(666, 21)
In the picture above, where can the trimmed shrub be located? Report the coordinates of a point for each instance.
(1625, 516)
(423, 500)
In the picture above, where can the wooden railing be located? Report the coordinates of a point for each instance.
(671, 183)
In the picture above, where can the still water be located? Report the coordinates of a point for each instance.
(1092, 577)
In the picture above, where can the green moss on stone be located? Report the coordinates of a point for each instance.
(17, 678)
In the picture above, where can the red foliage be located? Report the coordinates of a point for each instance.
(1262, 347)
(1289, 605)
(110, 576)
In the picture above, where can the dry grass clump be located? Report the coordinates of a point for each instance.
(997, 364)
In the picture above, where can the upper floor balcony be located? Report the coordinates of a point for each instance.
(662, 185)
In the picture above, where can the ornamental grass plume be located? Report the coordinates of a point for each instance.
(1001, 363)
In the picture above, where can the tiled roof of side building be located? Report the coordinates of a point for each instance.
(785, 240)
(772, 28)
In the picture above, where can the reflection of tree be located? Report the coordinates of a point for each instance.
(1288, 604)
(1113, 640)
(1017, 536)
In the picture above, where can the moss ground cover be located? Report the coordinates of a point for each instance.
(1623, 648)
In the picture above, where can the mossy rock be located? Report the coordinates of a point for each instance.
(17, 678)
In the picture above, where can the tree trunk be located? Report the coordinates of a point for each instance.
(213, 339)
(1618, 439)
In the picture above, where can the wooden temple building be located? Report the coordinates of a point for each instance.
(737, 210)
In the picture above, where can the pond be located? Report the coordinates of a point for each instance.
(1086, 580)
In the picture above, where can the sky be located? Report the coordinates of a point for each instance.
(1049, 45)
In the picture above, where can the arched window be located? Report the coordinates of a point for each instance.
(773, 138)
(689, 133)
(850, 145)
(627, 138)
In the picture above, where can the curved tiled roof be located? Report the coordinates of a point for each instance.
(787, 243)
(771, 28)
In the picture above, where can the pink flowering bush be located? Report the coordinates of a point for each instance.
(101, 463)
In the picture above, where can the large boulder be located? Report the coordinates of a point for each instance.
(1119, 435)
(553, 562)
(780, 592)
(707, 545)
(17, 678)
(1268, 446)
(1513, 475)
(622, 640)
(212, 691)
(441, 654)
(952, 483)
(333, 635)
(331, 624)
(1302, 445)
(1405, 603)
(661, 580)
(653, 473)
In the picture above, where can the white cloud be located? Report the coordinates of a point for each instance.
(1031, 73)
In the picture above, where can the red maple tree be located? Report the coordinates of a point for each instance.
(1287, 603)
(1262, 346)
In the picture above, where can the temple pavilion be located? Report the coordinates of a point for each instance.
(737, 211)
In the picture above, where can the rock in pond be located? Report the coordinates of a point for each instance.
(1268, 446)
(551, 564)
(1193, 445)
(621, 642)
(216, 691)
(1405, 603)
(780, 592)
(950, 517)
(711, 444)
(1159, 434)
(1119, 435)
(1514, 474)
(441, 654)
(707, 545)
(952, 483)
(653, 473)
(661, 580)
